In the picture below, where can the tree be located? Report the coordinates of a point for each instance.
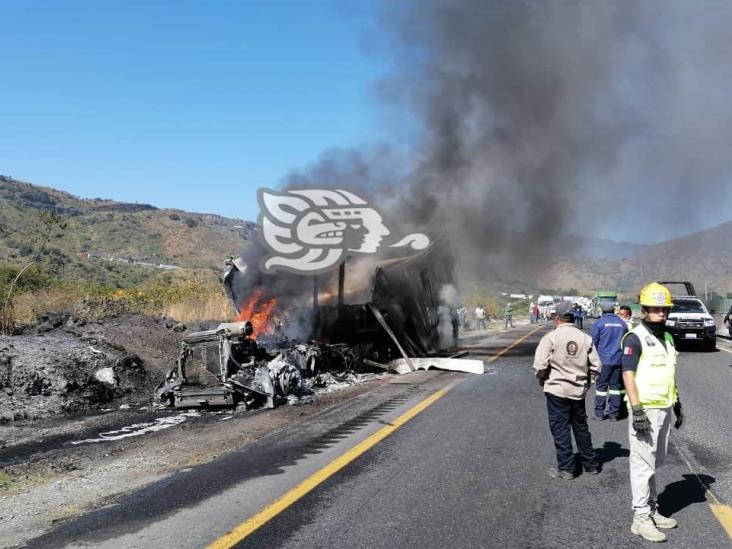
(50, 226)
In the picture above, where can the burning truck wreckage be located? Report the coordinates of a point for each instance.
(396, 320)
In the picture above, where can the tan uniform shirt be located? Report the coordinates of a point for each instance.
(564, 358)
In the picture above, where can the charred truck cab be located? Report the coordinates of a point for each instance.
(226, 367)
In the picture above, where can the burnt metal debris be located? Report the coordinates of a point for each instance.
(227, 367)
(398, 319)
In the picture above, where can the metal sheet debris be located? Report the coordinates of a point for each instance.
(400, 366)
(137, 429)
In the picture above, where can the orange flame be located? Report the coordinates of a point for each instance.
(257, 312)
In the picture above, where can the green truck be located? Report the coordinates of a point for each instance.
(601, 298)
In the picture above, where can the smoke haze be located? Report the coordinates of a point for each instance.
(539, 118)
(529, 120)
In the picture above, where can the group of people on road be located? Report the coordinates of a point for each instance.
(635, 362)
(481, 317)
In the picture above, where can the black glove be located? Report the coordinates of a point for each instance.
(679, 413)
(640, 420)
(542, 377)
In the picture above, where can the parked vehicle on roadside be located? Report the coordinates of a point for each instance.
(547, 306)
(601, 298)
(689, 320)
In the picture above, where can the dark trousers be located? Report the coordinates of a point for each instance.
(609, 388)
(567, 416)
(578, 322)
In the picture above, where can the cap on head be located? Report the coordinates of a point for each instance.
(608, 307)
(655, 295)
(565, 311)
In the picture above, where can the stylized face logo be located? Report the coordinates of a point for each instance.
(310, 230)
(358, 229)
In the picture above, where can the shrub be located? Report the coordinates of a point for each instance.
(34, 278)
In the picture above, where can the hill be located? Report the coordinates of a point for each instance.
(99, 230)
(703, 256)
(112, 242)
(600, 248)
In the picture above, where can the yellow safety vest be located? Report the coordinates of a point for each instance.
(655, 377)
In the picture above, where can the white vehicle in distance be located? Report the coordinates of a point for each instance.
(547, 307)
(689, 320)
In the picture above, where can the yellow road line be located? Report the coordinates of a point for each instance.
(254, 522)
(504, 351)
(722, 512)
(724, 516)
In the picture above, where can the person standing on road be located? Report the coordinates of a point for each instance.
(728, 321)
(649, 375)
(508, 316)
(607, 336)
(565, 362)
(455, 322)
(480, 318)
(579, 315)
(626, 315)
(462, 313)
(535, 313)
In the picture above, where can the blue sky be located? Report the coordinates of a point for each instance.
(195, 105)
(164, 101)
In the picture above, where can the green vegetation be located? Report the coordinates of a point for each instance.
(56, 253)
(13, 483)
(111, 229)
(481, 296)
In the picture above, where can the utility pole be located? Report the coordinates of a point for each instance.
(316, 290)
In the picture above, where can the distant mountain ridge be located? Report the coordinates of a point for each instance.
(602, 248)
(701, 257)
(203, 241)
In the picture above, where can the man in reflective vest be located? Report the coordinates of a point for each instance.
(649, 375)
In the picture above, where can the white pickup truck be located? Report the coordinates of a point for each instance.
(689, 320)
(547, 307)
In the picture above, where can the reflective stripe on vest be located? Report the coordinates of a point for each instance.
(655, 377)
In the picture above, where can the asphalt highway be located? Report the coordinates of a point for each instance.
(467, 469)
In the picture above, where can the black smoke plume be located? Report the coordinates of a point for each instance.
(521, 122)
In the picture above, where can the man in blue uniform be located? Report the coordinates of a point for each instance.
(607, 335)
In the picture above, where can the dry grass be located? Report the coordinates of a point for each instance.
(183, 300)
(11, 483)
(210, 307)
(68, 511)
(27, 306)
